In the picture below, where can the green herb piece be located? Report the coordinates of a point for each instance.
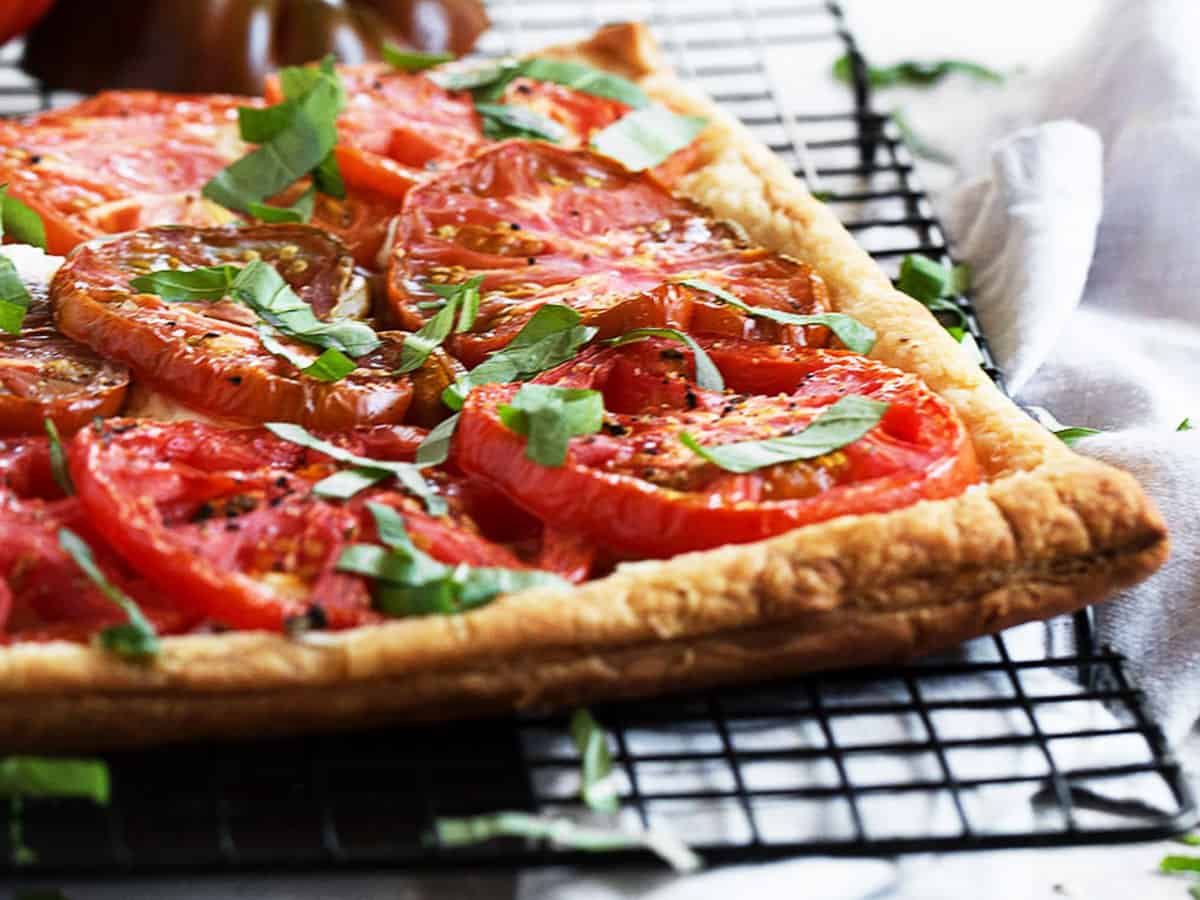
(20, 222)
(916, 73)
(408, 475)
(296, 138)
(182, 285)
(14, 297)
(708, 376)
(478, 77)
(461, 302)
(345, 484)
(1186, 425)
(501, 121)
(598, 788)
(550, 337)
(136, 640)
(58, 459)
(300, 211)
(435, 449)
(406, 60)
(823, 196)
(1071, 436)
(332, 365)
(837, 426)
(1194, 891)
(563, 832)
(43, 776)
(585, 78)
(550, 416)
(411, 582)
(852, 333)
(647, 137)
(1174, 863)
(930, 283)
(1188, 840)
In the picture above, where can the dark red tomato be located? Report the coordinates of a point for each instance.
(542, 224)
(208, 355)
(224, 522)
(635, 487)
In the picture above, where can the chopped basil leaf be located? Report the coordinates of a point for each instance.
(327, 177)
(550, 416)
(462, 302)
(14, 297)
(1188, 840)
(1180, 864)
(597, 785)
(332, 365)
(179, 285)
(585, 78)
(1072, 436)
(257, 125)
(302, 133)
(435, 449)
(915, 72)
(410, 582)
(931, 283)
(300, 211)
(1185, 425)
(406, 60)
(345, 484)
(58, 459)
(823, 196)
(646, 137)
(20, 222)
(837, 426)
(43, 776)
(408, 475)
(708, 376)
(136, 639)
(564, 832)
(501, 121)
(477, 77)
(550, 337)
(852, 333)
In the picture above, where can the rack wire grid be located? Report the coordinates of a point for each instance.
(993, 745)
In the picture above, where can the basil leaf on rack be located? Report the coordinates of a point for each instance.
(435, 449)
(838, 425)
(597, 785)
(58, 459)
(647, 136)
(501, 121)
(567, 833)
(300, 211)
(411, 582)
(550, 337)
(408, 475)
(708, 376)
(136, 639)
(1072, 436)
(405, 60)
(931, 284)
(550, 416)
(1174, 863)
(179, 285)
(14, 297)
(913, 72)
(20, 222)
(462, 303)
(584, 78)
(852, 333)
(45, 776)
(1185, 425)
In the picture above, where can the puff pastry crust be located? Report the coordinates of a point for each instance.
(1047, 532)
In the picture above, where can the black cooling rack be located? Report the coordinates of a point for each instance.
(994, 745)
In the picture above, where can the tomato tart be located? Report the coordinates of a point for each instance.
(426, 390)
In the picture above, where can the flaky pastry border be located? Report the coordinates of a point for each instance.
(1048, 532)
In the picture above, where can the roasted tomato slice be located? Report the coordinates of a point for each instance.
(542, 224)
(635, 487)
(207, 355)
(226, 524)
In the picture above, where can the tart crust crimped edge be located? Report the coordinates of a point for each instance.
(1048, 532)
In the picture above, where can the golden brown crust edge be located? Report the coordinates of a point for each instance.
(1051, 532)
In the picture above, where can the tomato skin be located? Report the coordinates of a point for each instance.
(919, 451)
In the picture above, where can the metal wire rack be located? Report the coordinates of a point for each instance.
(994, 745)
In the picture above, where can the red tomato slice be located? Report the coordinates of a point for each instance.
(225, 522)
(208, 356)
(635, 487)
(542, 224)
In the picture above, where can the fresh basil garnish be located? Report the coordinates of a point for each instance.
(917, 73)
(932, 284)
(182, 285)
(14, 297)
(549, 416)
(852, 333)
(136, 639)
(501, 121)
(462, 304)
(411, 582)
(550, 337)
(837, 426)
(408, 475)
(435, 449)
(296, 138)
(20, 222)
(1071, 436)
(584, 78)
(300, 211)
(477, 77)
(647, 137)
(597, 786)
(331, 365)
(43, 776)
(1185, 425)
(1173, 863)
(58, 459)
(405, 60)
(708, 376)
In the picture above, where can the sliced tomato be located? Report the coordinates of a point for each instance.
(542, 224)
(225, 521)
(635, 487)
(208, 355)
